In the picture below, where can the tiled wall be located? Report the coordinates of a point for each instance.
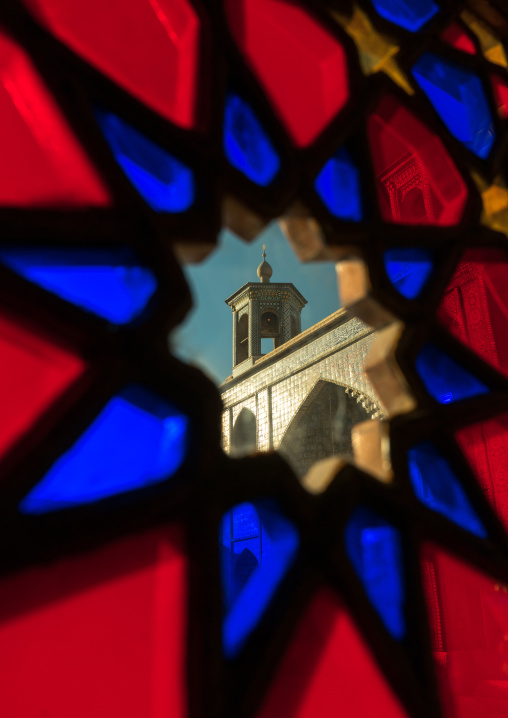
(336, 356)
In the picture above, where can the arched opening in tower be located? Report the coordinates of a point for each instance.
(242, 339)
(269, 324)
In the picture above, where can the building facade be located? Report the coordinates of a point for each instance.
(303, 397)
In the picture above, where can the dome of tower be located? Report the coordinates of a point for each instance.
(265, 271)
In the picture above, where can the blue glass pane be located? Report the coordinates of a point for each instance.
(408, 269)
(244, 522)
(164, 182)
(409, 14)
(459, 99)
(444, 378)
(258, 545)
(436, 485)
(246, 144)
(138, 439)
(374, 548)
(106, 282)
(338, 185)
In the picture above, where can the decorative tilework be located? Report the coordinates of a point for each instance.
(263, 419)
(254, 335)
(235, 325)
(286, 323)
(254, 298)
(226, 430)
(289, 375)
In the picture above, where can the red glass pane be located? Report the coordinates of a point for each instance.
(485, 446)
(416, 179)
(33, 374)
(474, 309)
(500, 88)
(42, 162)
(101, 634)
(301, 66)
(150, 48)
(328, 670)
(475, 305)
(469, 619)
(457, 37)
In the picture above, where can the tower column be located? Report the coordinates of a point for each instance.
(254, 335)
(235, 350)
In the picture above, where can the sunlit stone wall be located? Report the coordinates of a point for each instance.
(280, 387)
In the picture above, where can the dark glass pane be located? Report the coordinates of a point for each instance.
(113, 619)
(374, 548)
(500, 89)
(300, 65)
(328, 670)
(456, 36)
(458, 97)
(106, 282)
(437, 486)
(474, 307)
(164, 182)
(36, 371)
(258, 544)
(409, 14)
(468, 614)
(444, 378)
(338, 185)
(485, 445)
(245, 522)
(137, 439)
(408, 269)
(417, 181)
(246, 144)
(150, 50)
(43, 162)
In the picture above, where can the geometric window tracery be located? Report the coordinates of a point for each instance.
(117, 138)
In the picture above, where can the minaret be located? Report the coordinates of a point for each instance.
(264, 270)
(260, 310)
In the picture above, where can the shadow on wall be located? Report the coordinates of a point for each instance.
(322, 427)
(244, 434)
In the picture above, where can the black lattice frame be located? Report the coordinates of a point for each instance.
(211, 482)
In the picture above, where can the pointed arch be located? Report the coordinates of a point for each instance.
(270, 325)
(322, 426)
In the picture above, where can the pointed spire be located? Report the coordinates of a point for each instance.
(264, 270)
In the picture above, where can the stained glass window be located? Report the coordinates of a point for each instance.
(148, 570)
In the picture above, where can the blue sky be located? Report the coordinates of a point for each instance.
(205, 338)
